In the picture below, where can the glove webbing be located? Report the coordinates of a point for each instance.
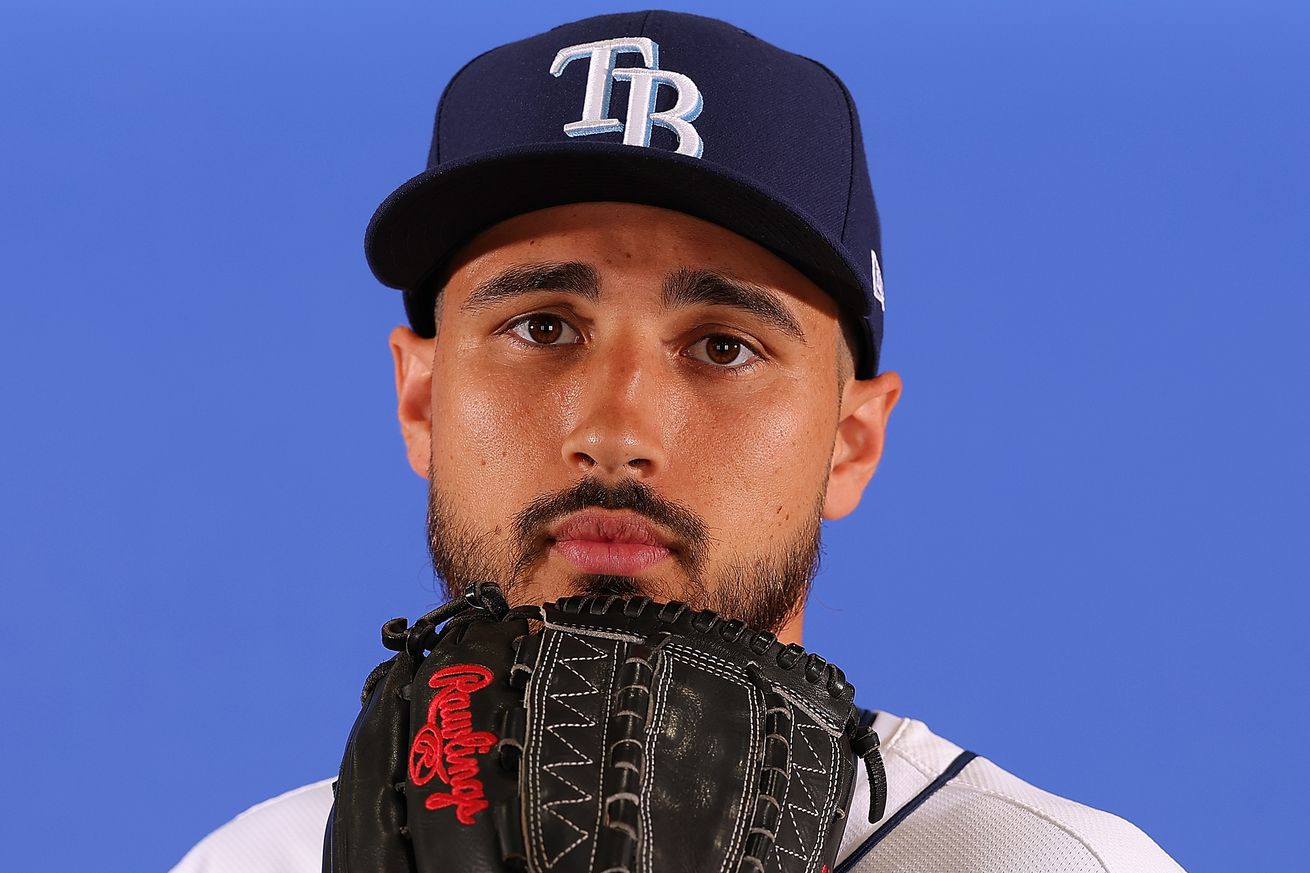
(775, 773)
(617, 846)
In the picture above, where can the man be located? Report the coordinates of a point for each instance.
(645, 300)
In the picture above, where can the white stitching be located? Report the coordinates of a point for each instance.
(604, 738)
(809, 856)
(657, 718)
(556, 660)
(583, 630)
(806, 708)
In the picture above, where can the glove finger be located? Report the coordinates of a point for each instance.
(463, 791)
(366, 828)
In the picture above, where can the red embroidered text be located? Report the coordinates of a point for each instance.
(444, 747)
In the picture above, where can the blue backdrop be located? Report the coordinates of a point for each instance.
(1082, 557)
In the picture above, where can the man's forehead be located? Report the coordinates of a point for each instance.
(613, 229)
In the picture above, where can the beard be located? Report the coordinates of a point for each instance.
(765, 590)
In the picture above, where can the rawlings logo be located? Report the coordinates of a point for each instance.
(444, 747)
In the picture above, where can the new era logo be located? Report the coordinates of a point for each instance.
(644, 86)
(877, 281)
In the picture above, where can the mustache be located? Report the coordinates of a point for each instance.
(690, 532)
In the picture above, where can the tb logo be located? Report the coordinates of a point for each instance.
(644, 86)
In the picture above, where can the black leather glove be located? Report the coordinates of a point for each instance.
(596, 734)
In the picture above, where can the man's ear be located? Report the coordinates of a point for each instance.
(861, 432)
(413, 356)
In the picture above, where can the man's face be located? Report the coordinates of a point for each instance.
(655, 376)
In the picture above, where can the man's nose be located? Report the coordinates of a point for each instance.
(623, 407)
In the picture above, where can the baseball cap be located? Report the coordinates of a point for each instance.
(659, 108)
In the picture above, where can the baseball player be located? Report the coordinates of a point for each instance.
(645, 302)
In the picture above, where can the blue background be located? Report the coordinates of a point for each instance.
(1084, 553)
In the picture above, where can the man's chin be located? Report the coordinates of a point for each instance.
(623, 586)
(620, 586)
(752, 606)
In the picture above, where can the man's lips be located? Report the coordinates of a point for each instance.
(614, 559)
(612, 543)
(610, 527)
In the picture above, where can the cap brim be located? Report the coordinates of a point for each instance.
(428, 219)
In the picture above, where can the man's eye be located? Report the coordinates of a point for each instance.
(722, 351)
(725, 351)
(542, 329)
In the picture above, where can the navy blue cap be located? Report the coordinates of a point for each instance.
(660, 108)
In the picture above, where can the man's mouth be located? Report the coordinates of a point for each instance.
(614, 559)
(619, 544)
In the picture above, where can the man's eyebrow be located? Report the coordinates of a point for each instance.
(683, 288)
(572, 277)
(688, 287)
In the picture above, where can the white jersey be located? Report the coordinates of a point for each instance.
(948, 811)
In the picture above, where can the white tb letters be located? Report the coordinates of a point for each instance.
(644, 85)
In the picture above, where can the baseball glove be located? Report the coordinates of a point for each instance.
(598, 734)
